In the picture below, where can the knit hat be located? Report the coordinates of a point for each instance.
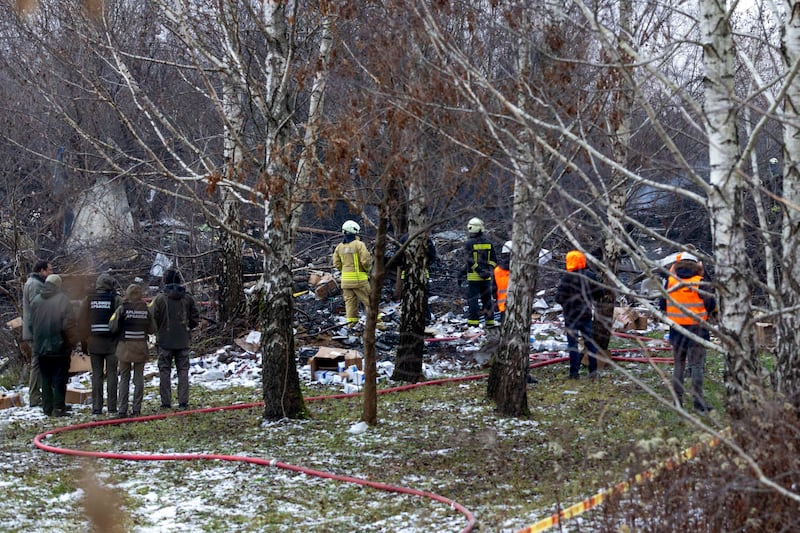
(55, 279)
(134, 292)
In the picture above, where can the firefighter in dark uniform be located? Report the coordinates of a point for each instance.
(479, 269)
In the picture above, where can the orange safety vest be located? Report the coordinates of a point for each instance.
(684, 293)
(501, 276)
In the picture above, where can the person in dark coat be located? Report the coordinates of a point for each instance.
(55, 333)
(33, 286)
(131, 323)
(95, 313)
(690, 304)
(577, 291)
(175, 313)
(479, 269)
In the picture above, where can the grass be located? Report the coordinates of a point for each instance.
(582, 437)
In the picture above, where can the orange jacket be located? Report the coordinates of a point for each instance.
(501, 276)
(684, 293)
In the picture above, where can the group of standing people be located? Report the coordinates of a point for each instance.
(688, 304)
(113, 330)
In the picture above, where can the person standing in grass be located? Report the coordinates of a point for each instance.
(690, 303)
(33, 286)
(55, 333)
(577, 291)
(131, 323)
(175, 314)
(95, 313)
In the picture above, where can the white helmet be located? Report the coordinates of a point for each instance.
(475, 225)
(686, 256)
(351, 227)
(506, 248)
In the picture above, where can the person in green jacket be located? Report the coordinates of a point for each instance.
(175, 313)
(33, 286)
(55, 333)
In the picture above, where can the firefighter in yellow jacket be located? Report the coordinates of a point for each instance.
(354, 261)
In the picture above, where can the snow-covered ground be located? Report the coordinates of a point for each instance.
(162, 505)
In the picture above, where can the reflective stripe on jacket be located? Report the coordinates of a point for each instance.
(353, 260)
(101, 307)
(684, 293)
(480, 262)
(501, 276)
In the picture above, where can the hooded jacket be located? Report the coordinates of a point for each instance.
(53, 322)
(175, 314)
(95, 314)
(688, 290)
(32, 288)
(578, 289)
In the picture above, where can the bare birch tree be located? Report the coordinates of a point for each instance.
(788, 368)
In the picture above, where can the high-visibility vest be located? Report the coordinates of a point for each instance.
(501, 276)
(685, 293)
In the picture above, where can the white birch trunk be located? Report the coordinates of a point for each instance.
(229, 277)
(726, 211)
(316, 106)
(619, 128)
(788, 368)
(507, 384)
(280, 382)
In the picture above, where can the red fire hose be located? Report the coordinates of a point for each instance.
(549, 358)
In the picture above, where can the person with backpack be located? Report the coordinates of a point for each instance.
(95, 313)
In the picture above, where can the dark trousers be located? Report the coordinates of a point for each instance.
(125, 371)
(479, 299)
(54, 371)
(581, 328)
(109, 362)
(165, 358)
(690, 355)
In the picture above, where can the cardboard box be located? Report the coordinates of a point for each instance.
(765, 335)
(251, 343)
(328, 359)
(79, 362)
(630, 318)
(10, 399)
(326, 287)
(78, 396)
